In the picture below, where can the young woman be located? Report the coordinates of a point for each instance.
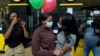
(68, 34)
(90, 37)
(43, 40)
(14, 32)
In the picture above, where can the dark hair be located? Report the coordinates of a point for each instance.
(8, 16)
(43, 17)
(96, 18)
(69, 26)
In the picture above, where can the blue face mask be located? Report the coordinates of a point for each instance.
(89, 22)
(59, 25)
(48, 24)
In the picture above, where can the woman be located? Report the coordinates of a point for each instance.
(14, 32)
(91, 36)
(67, 36)
(43, 40)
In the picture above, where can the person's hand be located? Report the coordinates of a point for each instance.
(23, 23)
(81, 29)
(97, 31)
(57, 52)
(14, 21)
(83, 25)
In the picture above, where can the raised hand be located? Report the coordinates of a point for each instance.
(14, 21)
(23, 23)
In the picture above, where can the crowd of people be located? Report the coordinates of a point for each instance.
(43, 38)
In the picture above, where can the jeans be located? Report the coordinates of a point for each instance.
(95, 49)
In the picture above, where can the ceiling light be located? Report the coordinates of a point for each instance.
(18, 4)
(71, 4)
(70, 0)
(16, 0)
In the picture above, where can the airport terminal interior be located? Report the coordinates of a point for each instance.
(81, 9)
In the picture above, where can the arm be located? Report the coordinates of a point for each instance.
(26, 34)
(10, 28)
(67, 46)
(81, 29)
(8, 32)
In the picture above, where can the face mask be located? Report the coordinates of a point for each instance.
(48, 24)
(89, 22)
(59, 25)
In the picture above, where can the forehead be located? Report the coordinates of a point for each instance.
(15, 14)
(49, 18)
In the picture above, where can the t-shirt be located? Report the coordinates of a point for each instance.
(89, 36)
(62, 41)
(16, 36)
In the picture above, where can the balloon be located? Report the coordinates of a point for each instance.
(49, 5)
(37, 4)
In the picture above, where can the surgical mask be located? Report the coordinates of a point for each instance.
(48, 24)
(89, 22)
(59, 25)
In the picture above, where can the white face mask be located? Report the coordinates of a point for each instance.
(59, 25)
(89, 22)
(48, 24)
